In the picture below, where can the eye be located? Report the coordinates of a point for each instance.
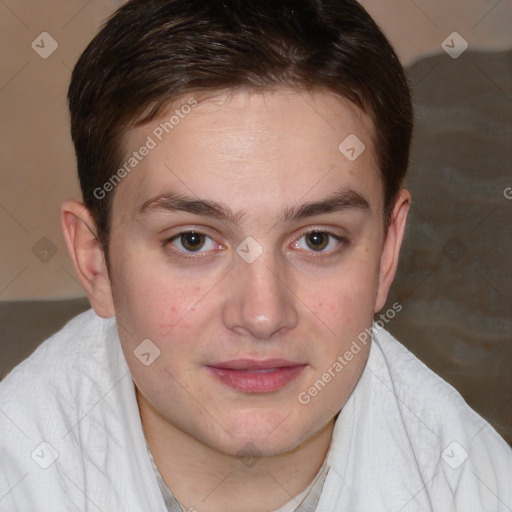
(318, 240)
(187, 243)
(191, 241)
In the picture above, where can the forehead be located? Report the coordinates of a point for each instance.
(257, 151)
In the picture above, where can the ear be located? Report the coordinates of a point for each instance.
(391, 248)
(79, 232)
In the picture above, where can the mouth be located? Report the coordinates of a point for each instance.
(251, 376)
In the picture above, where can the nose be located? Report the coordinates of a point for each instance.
(260, 302)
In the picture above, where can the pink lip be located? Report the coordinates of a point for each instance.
(251, 376)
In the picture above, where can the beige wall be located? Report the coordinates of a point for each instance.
(417, 27)
(38, 169)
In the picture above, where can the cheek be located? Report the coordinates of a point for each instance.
(341, 307)
(345, 295)
(164, 311)
(153, 302)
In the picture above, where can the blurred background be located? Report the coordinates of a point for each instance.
(455, 275)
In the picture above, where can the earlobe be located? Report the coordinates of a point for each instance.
(391, 248)
(87, 255)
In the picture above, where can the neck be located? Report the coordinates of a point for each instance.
(205, 479)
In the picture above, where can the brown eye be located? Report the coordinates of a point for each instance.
(191, 246)
(317, 240)
(324, 243)
(192, 241)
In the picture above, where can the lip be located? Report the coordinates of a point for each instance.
(253, 376)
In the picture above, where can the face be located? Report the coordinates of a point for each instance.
(247, 247)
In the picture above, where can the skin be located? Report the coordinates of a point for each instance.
(259, 153)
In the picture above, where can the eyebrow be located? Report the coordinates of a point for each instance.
(342, 200)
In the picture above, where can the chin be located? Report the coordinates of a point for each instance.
(260, 434)
(256, 447)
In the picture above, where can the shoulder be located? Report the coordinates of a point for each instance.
(449, 439)
(62, 352)
(67, 414)
(417, 385)
(69, 365)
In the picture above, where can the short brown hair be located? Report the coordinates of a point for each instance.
(151, 52)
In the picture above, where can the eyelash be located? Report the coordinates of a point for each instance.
(195, 256)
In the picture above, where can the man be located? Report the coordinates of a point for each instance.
(241, 168)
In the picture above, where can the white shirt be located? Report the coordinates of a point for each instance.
(71, 437)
